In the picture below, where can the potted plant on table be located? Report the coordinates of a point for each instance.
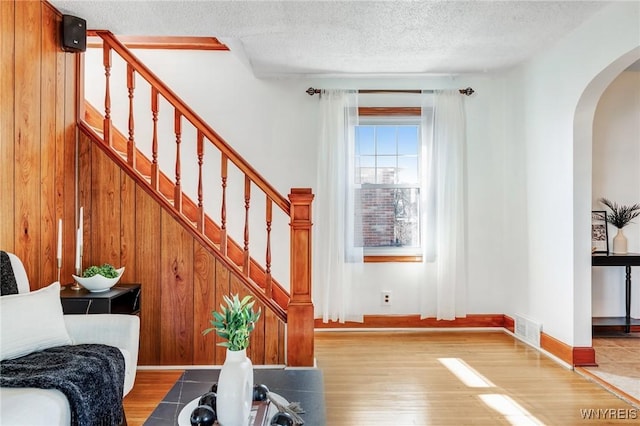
(620, 217)
(234, 323)
(99, 278)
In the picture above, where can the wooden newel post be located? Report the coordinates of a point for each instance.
(300, 324)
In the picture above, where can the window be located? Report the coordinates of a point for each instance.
(387, 174)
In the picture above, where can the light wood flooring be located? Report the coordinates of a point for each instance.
(413, 378)
(618, 360)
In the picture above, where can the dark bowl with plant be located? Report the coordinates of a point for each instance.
(234, 322)
(620, 215)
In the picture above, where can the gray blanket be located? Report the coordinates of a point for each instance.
(8, 284)
(90, 376)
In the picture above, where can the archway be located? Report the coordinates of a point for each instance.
(582, 193)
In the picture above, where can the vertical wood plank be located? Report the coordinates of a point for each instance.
(68, 76)
(7, 125)
(257, 340)
(282, 359)
(27, 137)
(105, 212)
(147, 273)
(223, 287)
(176, 265)
(128, 211)
(59, 160)
(271, 338)
(204, 293)
(85, 200)
(48, 220)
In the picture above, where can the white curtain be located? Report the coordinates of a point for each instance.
(444, 212)
(337, 263)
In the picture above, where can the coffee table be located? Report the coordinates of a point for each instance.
(303, 385)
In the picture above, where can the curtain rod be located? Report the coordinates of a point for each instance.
(468, 91)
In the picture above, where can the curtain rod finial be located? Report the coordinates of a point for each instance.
(468, 91)
(311, 91)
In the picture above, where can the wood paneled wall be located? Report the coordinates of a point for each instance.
(37, 139)
(182, 282)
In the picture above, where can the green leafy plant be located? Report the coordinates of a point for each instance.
(620, 216)
(234, 322)
(105, 270)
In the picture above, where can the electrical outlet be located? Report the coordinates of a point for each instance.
(386, 298)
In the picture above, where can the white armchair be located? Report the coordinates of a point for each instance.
(21, 406)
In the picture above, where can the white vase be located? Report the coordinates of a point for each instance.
(620, 243)
(235, 389)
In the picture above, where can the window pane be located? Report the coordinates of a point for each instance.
(364, 140)
(386, 169)
(408, 169)
(367, 170)
(390, 216)
(386, 140)
(407, 140)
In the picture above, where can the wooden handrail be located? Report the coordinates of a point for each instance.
(163, 42)
(194, 118)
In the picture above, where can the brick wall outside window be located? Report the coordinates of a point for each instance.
(389, 215)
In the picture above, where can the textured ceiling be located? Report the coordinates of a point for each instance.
(353, 37)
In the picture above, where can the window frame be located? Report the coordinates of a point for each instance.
(376, 116)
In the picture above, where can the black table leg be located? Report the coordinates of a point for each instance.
(627, 327)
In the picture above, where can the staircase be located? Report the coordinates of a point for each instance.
(290, 304)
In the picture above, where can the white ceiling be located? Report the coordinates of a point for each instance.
(297, 38)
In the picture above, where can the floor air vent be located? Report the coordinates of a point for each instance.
(528, 330)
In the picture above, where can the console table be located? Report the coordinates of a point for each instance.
(119, 299)
(627, 260)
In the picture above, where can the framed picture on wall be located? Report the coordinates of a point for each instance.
(599, 235)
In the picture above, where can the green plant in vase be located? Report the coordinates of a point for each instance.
(620, 216)
(234, 322)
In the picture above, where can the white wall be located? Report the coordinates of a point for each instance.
(553, 118)
(616, 176)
